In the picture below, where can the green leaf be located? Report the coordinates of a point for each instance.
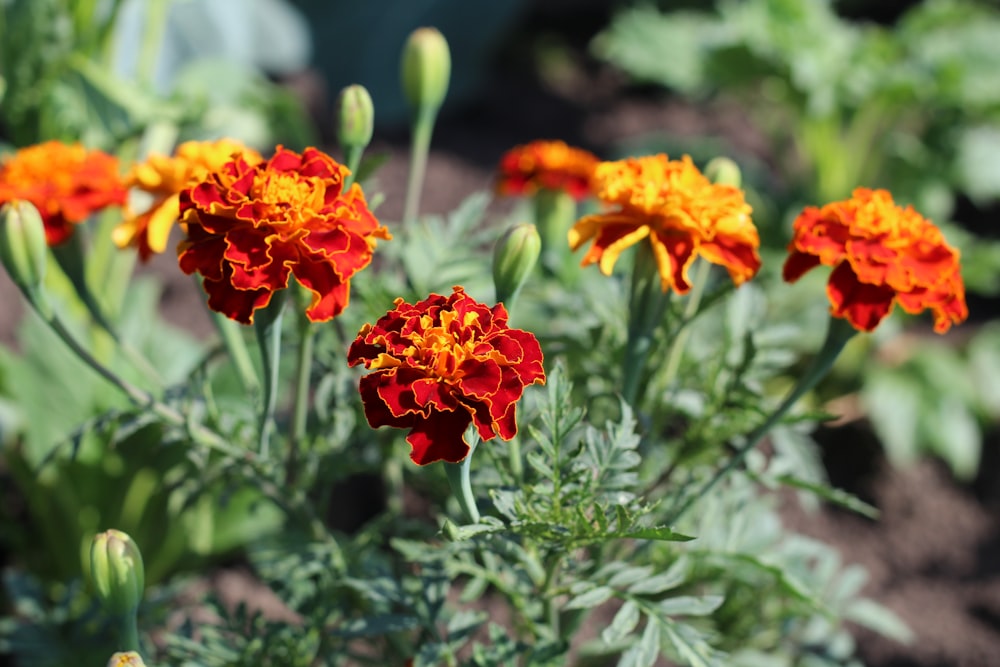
(622, 625)
(690, 605)
(662, 533)
(838, 497)
(591, 598)
(646, 650)
(876, 617)
(676, 575)
(692, 646)
(893, 404)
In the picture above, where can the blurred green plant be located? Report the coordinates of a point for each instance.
(913, 107)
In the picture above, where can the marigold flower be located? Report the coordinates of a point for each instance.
(881, 254)
(442, 364)
(164, 178)
(249, 226)
(679, 210)
(546, 165)
(66, 183)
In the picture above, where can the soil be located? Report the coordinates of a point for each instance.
(933, 556)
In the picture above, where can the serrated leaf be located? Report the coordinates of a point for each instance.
(646, 650)
(659, 583)
(661, 533)
(467, 532)
(591, 598)
(880, 619)
(838, 497)
(692, 646)
(622, 625)
(690, 605)
(376, 626)
(629, 575)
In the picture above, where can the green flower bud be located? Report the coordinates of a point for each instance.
(426, 69)
(116, 571)
(355, 118)
(126, 659)
(23, 249)
(514, 257)
(724, 171)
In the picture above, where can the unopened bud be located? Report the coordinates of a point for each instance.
(126, 659)
(355, 118)
(23, 249)
(514, 257)
(116, 571)
(724, 171)
(426, 69)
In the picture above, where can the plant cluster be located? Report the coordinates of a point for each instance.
(429, 463)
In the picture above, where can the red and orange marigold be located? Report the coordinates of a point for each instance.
(441, 365)
(164, 178)
(881, 254)
(252, 225)
(679, 211)
(66, 183)
(546, 165)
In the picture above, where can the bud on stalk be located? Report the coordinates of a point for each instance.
(426, 68)
(23, 249)
(355, 123)
(116, 571)
(724, 171)
(514, 258)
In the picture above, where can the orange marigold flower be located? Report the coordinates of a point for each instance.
(66, 183)
(164, 177)
(546, 165)
(681, 212)
(442, 364)
(249, 226)
(881, 254)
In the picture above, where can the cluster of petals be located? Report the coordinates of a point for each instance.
(546, 165)
(676, 209)
(164, 178)
(67, 183)
(881, 254)
(442, 364)
(252, 225)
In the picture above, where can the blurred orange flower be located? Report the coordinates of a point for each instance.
(546, 165)
(881, 254)
(164, 177)
(682, 214)
(66, 183)
(251, 226)
(442, 364)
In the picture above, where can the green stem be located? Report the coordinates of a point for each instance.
(837, 335)
(423, 128)
(267, 325)
(352, 158)
(128, 629)
(514, 456)
(461, 483)
(554, 212)
(690, 309)
(647, 304)
(231, 334)
(300, 404)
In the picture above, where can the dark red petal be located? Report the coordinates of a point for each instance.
(797, 265)
(439, 437)
(863, 305)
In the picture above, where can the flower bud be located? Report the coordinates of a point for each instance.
(23, 249)
(724, 171)
(425, 69)
(126, 659)
(116, 571)
(355, 118)
(514, 258)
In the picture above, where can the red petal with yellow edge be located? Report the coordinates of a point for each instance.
(439, 437)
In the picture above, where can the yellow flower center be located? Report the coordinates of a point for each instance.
(288, 199)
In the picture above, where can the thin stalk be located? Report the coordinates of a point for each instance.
(231, 334)
(152, 39)
(128, 629)
(461, 484)
(837, 335)
(423, 128)
(690, 309)
(300, 400)
(352, 158)
(268, 328)
(647, 304)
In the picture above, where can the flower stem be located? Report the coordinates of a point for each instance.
(554, 211)
(647, 304)
(690, 309)
(268, 328)
(423, 128)
(837, 335)
(460, 482)
(300, 401)
(352, 158)
(231, 334)
(128, 638)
